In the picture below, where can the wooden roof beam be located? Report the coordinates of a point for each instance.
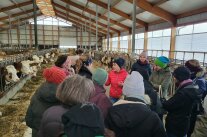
(15, 6)
(22, 19)
(84, 17)
(94, 13)
(143, 4)
(77, 23)
(74, 18)
(118, 12)
(16, 14)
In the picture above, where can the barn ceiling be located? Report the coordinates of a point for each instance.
(82, 12)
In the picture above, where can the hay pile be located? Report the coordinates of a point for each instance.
(13, 113)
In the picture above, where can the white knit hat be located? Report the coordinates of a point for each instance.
(134, 85)
(144, 53)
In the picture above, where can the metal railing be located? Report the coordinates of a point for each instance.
(179, 57)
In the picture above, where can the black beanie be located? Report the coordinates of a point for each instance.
(60, 60)
(120, 62)
(181, 73)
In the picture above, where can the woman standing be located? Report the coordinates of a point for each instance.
(116, 79)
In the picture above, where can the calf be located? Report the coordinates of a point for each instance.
(12, 74)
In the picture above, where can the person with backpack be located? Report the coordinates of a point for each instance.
(72, 91)
(198, 77)
(142, 63)
(116, 79)
(179, 106)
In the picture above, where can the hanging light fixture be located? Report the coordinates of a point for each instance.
(45, 7)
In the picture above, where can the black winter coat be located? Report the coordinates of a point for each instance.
(179, 109)
(134, 119)
(84, 71)
(139, 65)
(44, 98)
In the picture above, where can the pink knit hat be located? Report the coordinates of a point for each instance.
(54, 75)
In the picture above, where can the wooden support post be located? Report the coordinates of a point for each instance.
(30, 34)
(52, 34)
(111, 43)
(119, 41)
(18, 36)
(8, 38)
(145, 40)
(172, 43)
(130, 42)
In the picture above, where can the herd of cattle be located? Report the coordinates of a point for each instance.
(14, 71)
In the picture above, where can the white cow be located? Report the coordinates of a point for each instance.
(26, 69)
(13, 73)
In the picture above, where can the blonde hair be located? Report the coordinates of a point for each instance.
(75, 89)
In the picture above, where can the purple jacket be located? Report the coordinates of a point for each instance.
(100, 99)
(51, 124)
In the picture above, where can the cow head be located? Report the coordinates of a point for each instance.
(12, 74)
(26, 69)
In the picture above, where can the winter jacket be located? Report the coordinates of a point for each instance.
(162, 77)
(51, 123)
(100, 99)
(200, 129)
(201, 82)
(44, 98)
(154, 98)
(114, 78)
(146, 66)
(179, 109)
(84, 71)
(132, 119)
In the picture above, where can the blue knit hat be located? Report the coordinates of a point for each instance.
(162, 61)
(100, 76)
(120, 62)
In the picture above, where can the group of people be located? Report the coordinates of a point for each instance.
(73, 101)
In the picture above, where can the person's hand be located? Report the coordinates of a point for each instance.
(121, 83)
(109, 133)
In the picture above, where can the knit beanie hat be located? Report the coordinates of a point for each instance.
(181, 73)
(193, 65)
(54, 75)
(61, 60)
(162, 61)
(134, 85)
(144, 53)
(120, 62)
(100, 76)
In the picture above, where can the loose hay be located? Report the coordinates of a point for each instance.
(12, 122)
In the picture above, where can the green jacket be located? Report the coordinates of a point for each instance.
(200, 129)
(162, 77)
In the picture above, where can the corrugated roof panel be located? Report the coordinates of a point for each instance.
(117, 27)
(13, 11)
(80, 2)
(147, 17)
(3, 14)
(180, 6)
(113, 16)
(5, 3)
(28, 7)
(125, 7)
(127, 22)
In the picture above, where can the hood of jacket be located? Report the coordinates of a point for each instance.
(191, 90)
(126, 114)
(47, 92)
